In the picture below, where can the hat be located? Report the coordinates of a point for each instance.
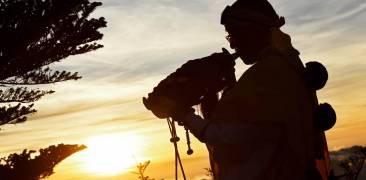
(259, 12)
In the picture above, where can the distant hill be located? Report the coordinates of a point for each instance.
(349, 162)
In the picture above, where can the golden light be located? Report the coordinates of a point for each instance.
(111, 154)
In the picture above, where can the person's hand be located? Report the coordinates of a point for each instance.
(220, 70)
(179, 114)
(223, 58)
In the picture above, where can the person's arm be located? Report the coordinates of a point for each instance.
(263, 100)
(221, 133)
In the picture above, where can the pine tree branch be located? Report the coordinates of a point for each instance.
(25, 166)
(15, 114)
(40, 32)
(41, 76)
(21, 95)
(36, 33)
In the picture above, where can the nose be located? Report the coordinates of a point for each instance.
(231, 41)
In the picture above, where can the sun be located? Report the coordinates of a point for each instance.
(111, 154)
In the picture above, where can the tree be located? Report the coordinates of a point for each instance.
(349, 162)
(33, 35)
(26, 167)
(141, 168)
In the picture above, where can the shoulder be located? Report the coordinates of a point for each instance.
(277, 70)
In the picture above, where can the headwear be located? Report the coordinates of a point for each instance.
(258, 12)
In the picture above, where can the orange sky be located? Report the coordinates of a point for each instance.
(148, 39)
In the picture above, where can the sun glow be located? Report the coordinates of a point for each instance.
(111, 154)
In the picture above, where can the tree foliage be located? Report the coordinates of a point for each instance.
(141, 168)
(27, 166)
(35, 34)
(349, 162)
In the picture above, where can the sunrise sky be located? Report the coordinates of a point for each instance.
(148, 39)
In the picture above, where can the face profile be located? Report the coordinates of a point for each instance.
(248, 42)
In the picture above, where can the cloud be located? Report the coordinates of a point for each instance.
(144, 35)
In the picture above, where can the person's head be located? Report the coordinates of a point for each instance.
(249, 23)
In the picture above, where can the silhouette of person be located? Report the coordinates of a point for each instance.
(262, 128)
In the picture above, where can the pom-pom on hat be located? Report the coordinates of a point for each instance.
(325, 117)
(316, 75)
